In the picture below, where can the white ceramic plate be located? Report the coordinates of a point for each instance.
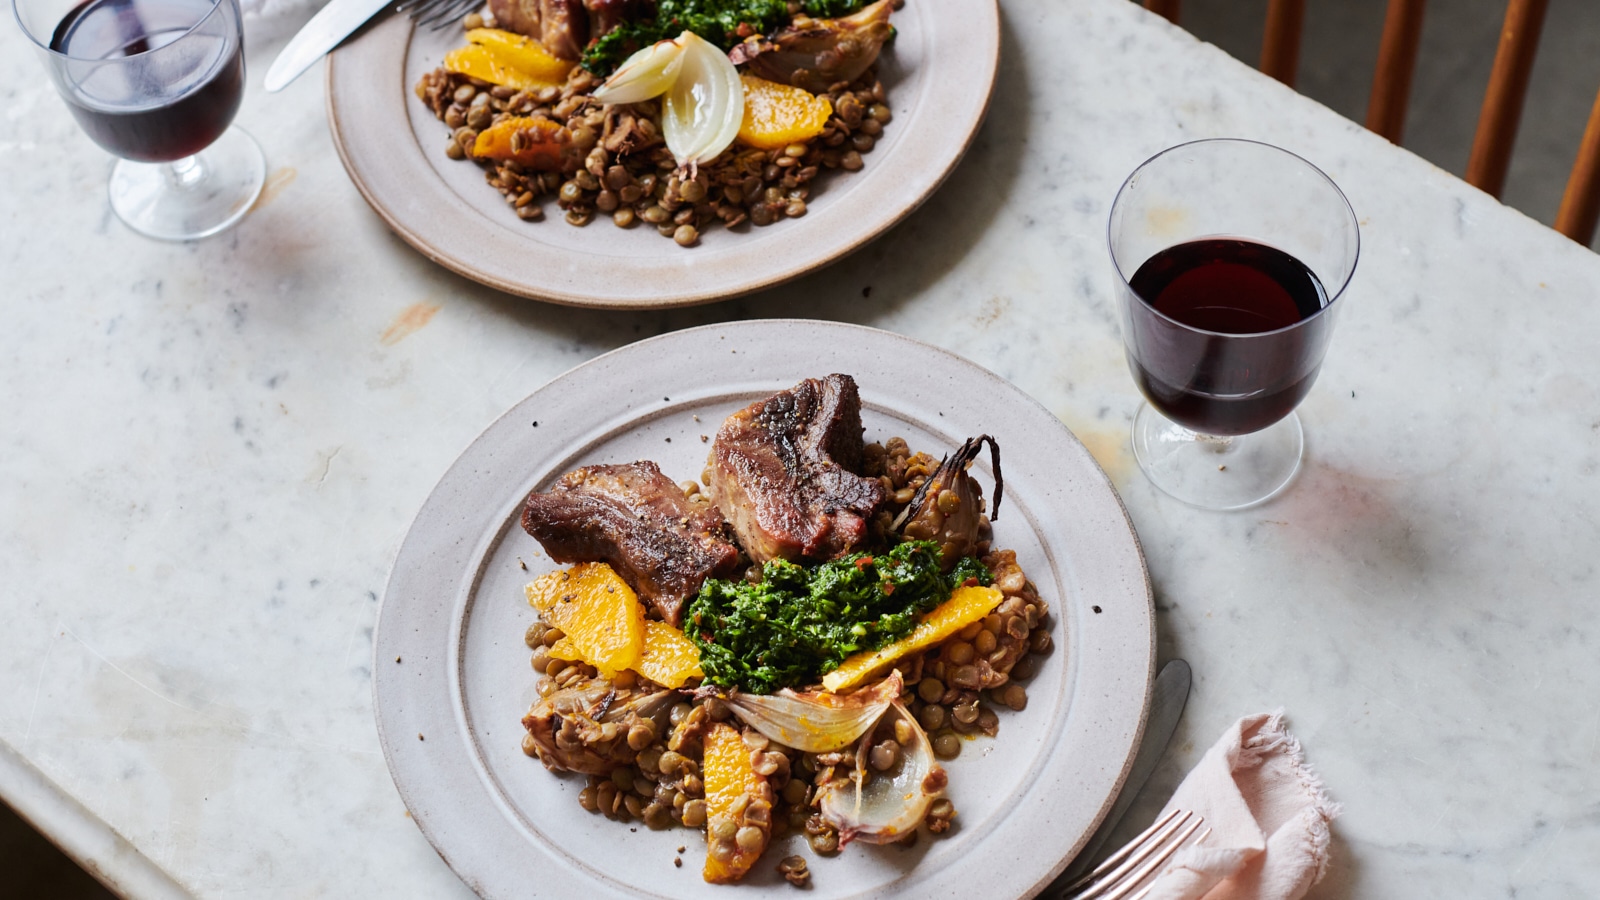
(939, 74)
(453, 681)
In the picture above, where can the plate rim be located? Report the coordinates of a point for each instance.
(448, 654)
(419, 226)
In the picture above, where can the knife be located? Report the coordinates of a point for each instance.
(1167, 700)
(327, 28)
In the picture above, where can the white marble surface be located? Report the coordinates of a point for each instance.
(209, 454)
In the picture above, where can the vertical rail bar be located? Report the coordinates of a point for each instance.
(1397, 60)
(1580, 205)
(1280, 47)
(1502, 103)
(1167, 9)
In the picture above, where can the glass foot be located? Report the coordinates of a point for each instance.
(1217, 473)
(193, 197)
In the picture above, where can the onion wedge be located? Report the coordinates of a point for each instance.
(816, 721)
(647, 73)
(704, 103)
(893, 803)
(704, 106)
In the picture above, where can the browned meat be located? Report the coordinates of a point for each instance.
(636, 519)
(521, 16)
(783, 472)
(605, 15)
(563, 27)
(818, 53)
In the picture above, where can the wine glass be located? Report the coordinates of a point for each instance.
(157, 83)
(1231, 256)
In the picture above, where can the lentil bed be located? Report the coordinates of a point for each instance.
(952, 689)
(616, 163)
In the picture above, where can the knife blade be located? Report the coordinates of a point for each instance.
(332, 24)
(1167, 699)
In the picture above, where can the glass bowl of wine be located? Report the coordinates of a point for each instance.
(1231, 256)
(156, 83)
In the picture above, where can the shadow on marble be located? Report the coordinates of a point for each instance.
(31, 866)
(1343, 874)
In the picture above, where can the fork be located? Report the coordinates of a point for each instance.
(436, 13)
(1127, 869)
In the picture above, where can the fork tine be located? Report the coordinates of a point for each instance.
(435, 12)
(1111, 861)
(448, 13)
(1127, 869)
(1109, 872)
(431, 13)
(1149, 868)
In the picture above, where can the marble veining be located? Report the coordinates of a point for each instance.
(211, 451)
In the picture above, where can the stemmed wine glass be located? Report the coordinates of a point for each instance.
(157, 83)
(1230, 256)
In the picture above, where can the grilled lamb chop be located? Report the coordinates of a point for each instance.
(636, 519)
(783, 473)
(563, 27)
(521, 16)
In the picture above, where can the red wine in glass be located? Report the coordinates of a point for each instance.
(150, 118)
(1240, 365)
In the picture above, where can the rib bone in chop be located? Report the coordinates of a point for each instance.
(783, 472)
(636, 519)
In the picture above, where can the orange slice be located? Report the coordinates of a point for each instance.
(669, 659)
(731, 784)
(965, 606)
(601, 616)
(777, 115)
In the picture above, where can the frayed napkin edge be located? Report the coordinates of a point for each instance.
(1274, 735)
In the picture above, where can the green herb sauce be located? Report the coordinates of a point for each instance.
(801, 622)
(717, 21)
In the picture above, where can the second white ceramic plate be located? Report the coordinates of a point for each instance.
(452, 678)
(939, 73)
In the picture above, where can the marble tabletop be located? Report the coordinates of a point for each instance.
(209, 453)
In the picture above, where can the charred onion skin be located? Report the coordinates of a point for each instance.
(954, 522)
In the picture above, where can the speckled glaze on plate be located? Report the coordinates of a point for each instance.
(939, 74)
(452, 678)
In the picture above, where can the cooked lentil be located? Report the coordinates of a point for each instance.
(617, 162)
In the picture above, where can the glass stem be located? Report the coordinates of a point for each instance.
(185, 173)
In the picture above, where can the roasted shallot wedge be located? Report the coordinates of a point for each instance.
(585, 727)
(948, 508)
(704, 98)
(647, 73)
(884, 806)
(816, 721)
(817, 53)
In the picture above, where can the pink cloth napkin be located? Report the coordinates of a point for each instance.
(1268, 817)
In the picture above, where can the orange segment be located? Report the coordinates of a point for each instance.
(965, 606)
(731, 784)
(601, 616)
(669, 659)
(536, 149)
(522, 53)
(777, 115)
(480, 62)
